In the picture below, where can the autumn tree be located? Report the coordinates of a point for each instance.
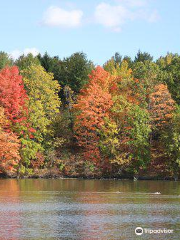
(75, 71)
(170, 138)
(25, 61)
(14, 100)
(119, 133)
(13, 96)
(124, 139)
(142, 57)
(9, 146)
(93, 105)
(147, 75)
(50, 64)
(5, 60)
(171, 75)
(112, 67)
(129, 60)
(43, 107)
(71, 71)
(161, 107)
(163, 62)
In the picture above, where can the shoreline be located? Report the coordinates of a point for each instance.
(94, 178)
(55, 173)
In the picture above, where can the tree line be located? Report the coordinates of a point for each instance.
(122, 118)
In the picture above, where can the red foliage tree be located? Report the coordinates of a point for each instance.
(13, 95)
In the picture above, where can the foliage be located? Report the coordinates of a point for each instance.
(125, 135)
(171, 75)
(9, 146)
(147, 75)
(142, 57)
(51, 64)
(128, 60)
(171, 140)
(138, 131)
(24, 61)
(161, 106)
(43, 98)
(112, 67)
(39, 161)
(92, 107)
(5, 60)
(43, 106)
(111, 144)
(13, 96)
(123, 117)
(117, 130)
(15, 101)
(117, 58)
(125, 140)
(163, 62)
(72, 71)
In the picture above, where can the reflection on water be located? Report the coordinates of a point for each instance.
(87, 209)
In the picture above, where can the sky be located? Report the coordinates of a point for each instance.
(99, 28)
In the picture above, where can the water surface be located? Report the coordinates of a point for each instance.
(87, 209)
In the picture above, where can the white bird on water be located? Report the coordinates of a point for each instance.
(135, 179)
(157, 193)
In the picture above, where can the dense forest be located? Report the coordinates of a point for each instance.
(69, 117)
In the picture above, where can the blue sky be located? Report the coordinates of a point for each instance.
(98, 28)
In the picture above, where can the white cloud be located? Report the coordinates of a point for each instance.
(15, 54)
(111, 16)
(133, 3)
(58, 17)
(115, 16)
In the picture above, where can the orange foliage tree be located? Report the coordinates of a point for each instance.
(9, 146)
(161, 106)
(93, 105)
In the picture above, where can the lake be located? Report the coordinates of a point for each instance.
(88, 209)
